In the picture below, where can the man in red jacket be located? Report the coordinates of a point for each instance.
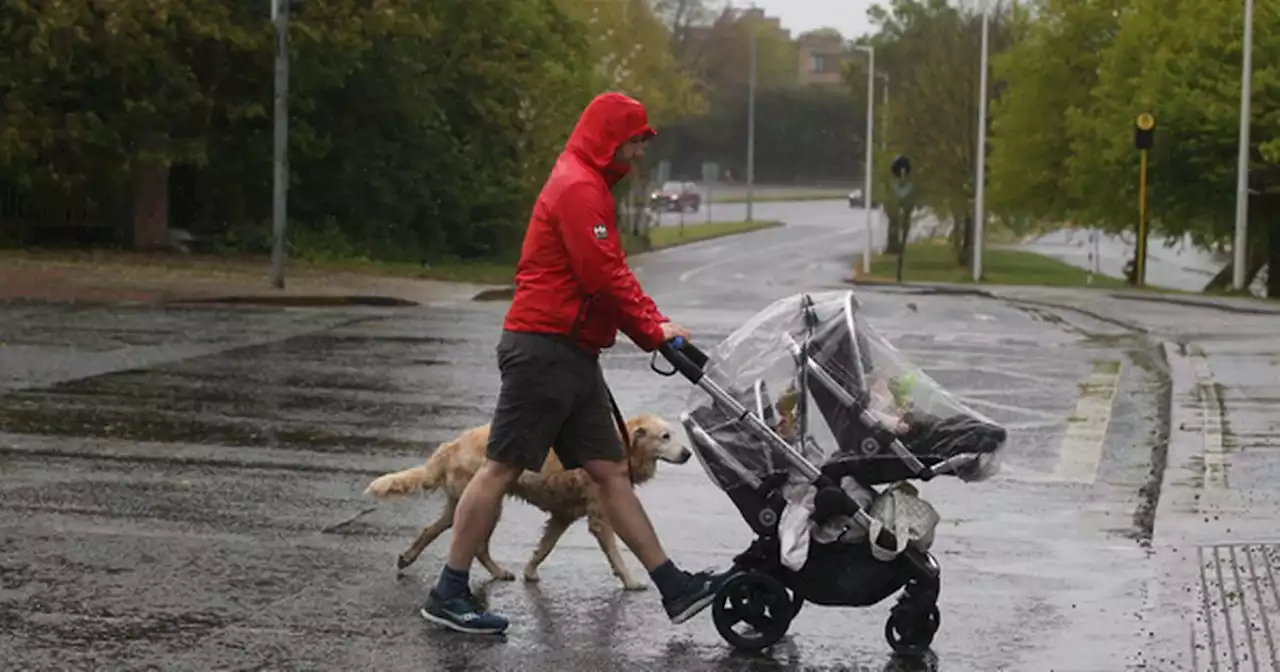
(574, 292)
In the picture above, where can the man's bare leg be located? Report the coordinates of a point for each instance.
(473, 521)
(626, 513)
(477, 512)
(683, 594)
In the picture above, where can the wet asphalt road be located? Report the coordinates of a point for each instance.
(181, 488)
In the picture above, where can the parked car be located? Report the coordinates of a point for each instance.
(677, 197)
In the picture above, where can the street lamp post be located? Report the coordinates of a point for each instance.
(751, 126)
(280, 186)
(979, 189)
(870, 145)
(884, 112)
(1239, 249)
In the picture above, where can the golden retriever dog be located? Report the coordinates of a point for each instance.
(565, 495)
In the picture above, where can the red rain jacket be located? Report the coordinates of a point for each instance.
(572, 277)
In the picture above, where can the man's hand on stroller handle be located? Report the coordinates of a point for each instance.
(675, 334)
(684, 357)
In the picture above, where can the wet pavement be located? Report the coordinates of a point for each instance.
(181, 488)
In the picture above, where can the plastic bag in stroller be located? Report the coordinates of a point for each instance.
(803, 468)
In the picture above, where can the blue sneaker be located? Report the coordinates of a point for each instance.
(697, 595)
(462, 614)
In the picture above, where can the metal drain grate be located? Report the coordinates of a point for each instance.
(1239, 613)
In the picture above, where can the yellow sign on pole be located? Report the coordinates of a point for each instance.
(1143, 138)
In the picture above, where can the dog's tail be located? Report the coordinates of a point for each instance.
(426, 476)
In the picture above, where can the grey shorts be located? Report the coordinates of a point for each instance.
(553, 396)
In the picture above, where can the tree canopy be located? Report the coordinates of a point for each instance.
(417, 129)
(1068, 79)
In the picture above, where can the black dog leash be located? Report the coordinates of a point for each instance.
(622, 429)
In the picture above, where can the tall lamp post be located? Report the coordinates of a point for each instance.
(980, 186)
(280, 180)
(751, 126)
(884, 112)
(1239, 249)
(866, 190)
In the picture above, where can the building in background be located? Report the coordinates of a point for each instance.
(821, 55)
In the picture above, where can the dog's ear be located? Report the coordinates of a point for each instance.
(639, 433)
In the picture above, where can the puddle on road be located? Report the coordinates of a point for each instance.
(328, 392)
(143, 424)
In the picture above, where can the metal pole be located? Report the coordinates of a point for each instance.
(884, 116)
(979, 189)
(751, 127)
(1240, 248)
(1140, 271)
(280, 186)
(870, 144)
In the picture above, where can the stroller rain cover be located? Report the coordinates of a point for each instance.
(759, 364)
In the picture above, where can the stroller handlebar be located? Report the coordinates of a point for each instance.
(685, 357)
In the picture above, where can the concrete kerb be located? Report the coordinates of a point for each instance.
(920, 288)
(300, 301)
(1174, 601)
(1224, 304)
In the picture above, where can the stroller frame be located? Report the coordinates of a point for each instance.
(764, 593)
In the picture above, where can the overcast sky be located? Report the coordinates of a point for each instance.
(847, 16)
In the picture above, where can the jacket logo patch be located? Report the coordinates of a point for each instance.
(600, 231)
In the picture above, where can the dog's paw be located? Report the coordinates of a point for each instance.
(634, 585)
(532, 577)
(504, 575)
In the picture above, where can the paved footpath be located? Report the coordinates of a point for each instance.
(1212, 602)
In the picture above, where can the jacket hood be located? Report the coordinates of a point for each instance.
(608, 121)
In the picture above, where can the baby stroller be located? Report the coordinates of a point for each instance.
(881, 421)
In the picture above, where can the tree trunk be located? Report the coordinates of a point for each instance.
(962, 241)
(151, 195)
(1257, 259)
(1264, 247)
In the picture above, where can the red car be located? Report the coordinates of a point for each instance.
(677, 197)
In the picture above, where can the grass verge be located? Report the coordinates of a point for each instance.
(489, 272)
(778, 197)
(138, 269)
(935, 261)
(110, 263)
(672, 236)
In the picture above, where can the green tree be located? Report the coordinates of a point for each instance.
(931, 51)
(103, 97)
(633, 53)
(417, 129)
(1047, 76)
(1181, 61)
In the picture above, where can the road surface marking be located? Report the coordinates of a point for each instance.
(1010, 373)
(761, 250)
(1215, 458)
(1081, 452)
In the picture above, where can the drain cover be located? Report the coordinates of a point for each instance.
(1239, 608)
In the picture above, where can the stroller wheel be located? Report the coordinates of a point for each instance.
(757, 601)
(912, 636)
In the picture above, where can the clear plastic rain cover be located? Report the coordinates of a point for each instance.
(885, 398)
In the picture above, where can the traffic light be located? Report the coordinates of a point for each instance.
(901, 167)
